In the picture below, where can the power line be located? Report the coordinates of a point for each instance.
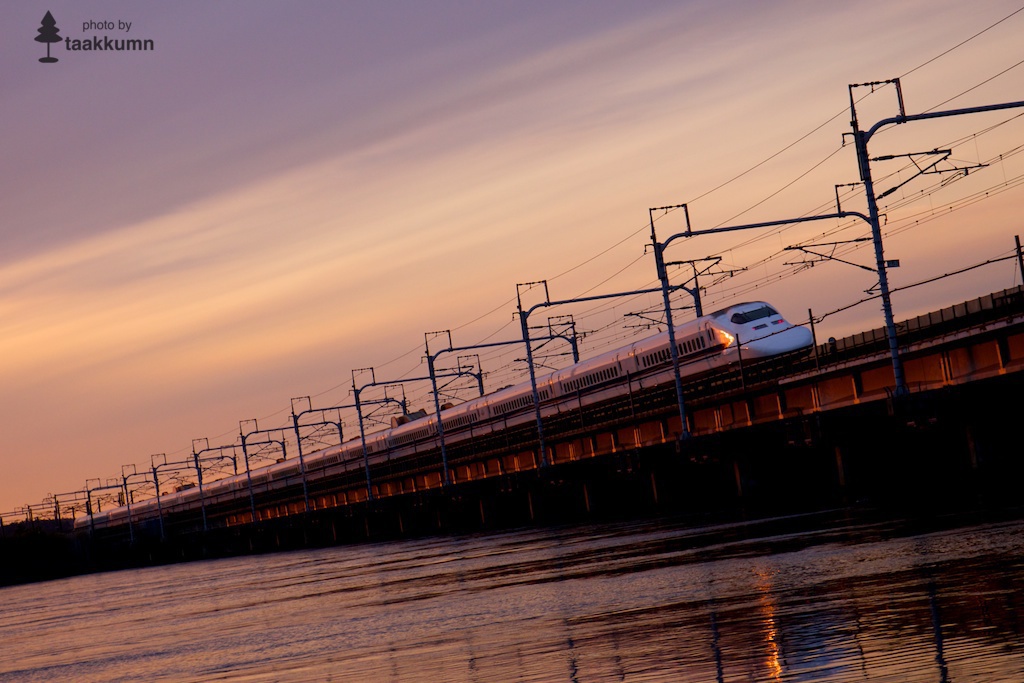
(920, 283)
(975, 87)
(962, 43)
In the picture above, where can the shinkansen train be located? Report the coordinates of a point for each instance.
(753, 330)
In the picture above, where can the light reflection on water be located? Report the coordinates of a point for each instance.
(811, 598)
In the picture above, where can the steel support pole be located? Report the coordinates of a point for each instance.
(1020, 258)
(864, 162)
(659, 260)
(861, 142)
(159, 506)
(523, 322)
(248, 478)
(302, 461)
(814, 339)
(437, 411)
(362, 438)
(88, 509)
(199, 477)
(128, 503)
(698, 308)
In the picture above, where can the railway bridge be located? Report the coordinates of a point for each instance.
(808, 426)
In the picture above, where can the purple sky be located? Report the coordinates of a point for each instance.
(281, 192)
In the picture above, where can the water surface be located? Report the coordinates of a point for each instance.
(810, 598)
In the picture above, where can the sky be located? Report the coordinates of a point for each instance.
(279, 194)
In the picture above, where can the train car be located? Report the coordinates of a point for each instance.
(749, 330)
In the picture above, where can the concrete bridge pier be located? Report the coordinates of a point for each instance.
(840, 467)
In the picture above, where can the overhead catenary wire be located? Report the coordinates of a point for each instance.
(918, 284)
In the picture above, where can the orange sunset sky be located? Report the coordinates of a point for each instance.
(279, 193)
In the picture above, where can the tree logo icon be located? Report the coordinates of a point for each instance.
(48, 33)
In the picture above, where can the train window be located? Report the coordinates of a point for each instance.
(756, 314)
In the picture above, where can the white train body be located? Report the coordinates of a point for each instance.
(704, 344)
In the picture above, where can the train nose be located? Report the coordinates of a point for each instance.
(790, 339)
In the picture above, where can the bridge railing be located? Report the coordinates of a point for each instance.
(958, 316)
